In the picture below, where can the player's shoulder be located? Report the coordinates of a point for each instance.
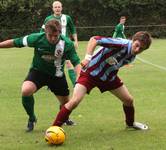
(37, 35)
(119, 25)
(49, 17)
(67, 16)
(67, 41)
(123, 41)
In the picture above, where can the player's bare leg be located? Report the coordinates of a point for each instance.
(123, 94)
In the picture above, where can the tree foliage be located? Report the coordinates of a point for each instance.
(20, 17)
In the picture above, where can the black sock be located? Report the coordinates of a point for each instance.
(28, 103)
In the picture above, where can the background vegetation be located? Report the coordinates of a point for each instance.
(19, 17)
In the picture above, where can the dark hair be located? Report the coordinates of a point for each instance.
(144, 37)
(53, 25)
(122, 17)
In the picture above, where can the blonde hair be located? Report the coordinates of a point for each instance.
(56, 2)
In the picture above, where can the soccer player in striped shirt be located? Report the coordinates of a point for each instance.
(100, 69)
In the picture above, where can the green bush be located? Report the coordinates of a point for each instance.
(19, 17)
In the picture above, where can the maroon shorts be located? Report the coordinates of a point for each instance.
(90, 82)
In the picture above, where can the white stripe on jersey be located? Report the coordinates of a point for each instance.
(24, 41)
(43, 26)
(63, 24)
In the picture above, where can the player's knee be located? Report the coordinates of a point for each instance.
(26, 91)
(73, 103)
(129, 101)
(28, 88)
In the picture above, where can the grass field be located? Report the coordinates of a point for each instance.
(100, 121)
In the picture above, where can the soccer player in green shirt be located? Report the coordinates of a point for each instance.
(119, 29)
(119, 32)
(68, 29)
(51, 49)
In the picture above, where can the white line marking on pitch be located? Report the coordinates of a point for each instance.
(149, 63)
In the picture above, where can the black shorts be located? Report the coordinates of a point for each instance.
(57, 85)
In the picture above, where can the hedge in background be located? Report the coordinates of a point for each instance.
(19, 17)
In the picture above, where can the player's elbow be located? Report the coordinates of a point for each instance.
(93, 40)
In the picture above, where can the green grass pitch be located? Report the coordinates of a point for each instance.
(99, 117)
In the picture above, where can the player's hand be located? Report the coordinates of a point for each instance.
(76, 45)
(84, 63)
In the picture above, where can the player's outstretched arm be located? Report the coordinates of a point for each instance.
(75, 41)
(89, 51)
(77, 69)
(7, 44)
(91, 46)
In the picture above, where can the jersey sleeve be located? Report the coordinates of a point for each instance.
(115, 32)
(111, 42)
(18, 42)
(28, 40)
(72, 54)
(71, 25)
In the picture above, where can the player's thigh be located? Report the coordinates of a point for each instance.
(78, 94)
(123, 94)
(59, 86)
(34, 81)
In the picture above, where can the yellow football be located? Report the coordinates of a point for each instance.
(55, 135)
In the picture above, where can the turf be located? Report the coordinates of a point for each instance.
(100, 120)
